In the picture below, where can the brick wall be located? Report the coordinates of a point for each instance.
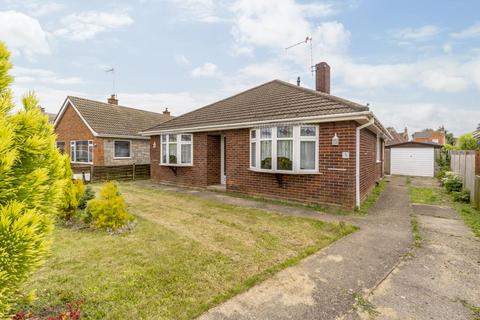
(140, 152)
(214, 158)
(370, 170)
(71, 127)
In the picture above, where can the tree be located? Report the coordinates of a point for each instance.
(31, 182)
(467, 142)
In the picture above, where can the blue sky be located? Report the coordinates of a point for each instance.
(417, 63)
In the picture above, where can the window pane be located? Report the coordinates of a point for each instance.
(253, 155)
(172, 138)
(172, 153)
(186, 153)
(266, 133)
(307, 155)
(164, 138)
(266, 154)
(284, 155)
(308, 131)
(186, 137)
(81, 152)
(164, 153)
(285, 132)
(122, 149)
(61, 146)
(72, 151)
(253, 134)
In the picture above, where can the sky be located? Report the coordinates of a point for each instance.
(416, 63)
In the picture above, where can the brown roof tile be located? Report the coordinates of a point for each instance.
(112, 120)
(274, 100)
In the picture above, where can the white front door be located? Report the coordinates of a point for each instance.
(223, 161)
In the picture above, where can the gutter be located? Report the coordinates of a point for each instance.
(357, 161)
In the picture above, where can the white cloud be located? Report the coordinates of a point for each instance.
(34, 77)
(23, 34)
(447, 48)
(208, 70)
(36, 8)
(417, 34)
(86, 25)
(182, 59)
(198, 10)
(470, 32)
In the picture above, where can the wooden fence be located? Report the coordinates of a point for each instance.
(467, 165)
(104, 173)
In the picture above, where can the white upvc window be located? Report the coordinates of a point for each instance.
(284, 149)
(379, 148)
(176, 149)
(122, 149)
(81, 151)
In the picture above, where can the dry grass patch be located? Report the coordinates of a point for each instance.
(185, 256)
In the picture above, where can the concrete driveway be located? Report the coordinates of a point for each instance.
(327, 284)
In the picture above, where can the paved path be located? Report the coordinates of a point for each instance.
(442, 276)
(324, 285)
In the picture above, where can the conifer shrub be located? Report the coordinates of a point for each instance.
(109, 211)
(88, 195)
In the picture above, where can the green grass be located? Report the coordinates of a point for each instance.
(185, 256)
(371, 198)
(470, 215)
(417, 238)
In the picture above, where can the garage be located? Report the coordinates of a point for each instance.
(413, 158)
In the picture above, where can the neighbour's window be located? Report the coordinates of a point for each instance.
(81, 151)
(379, 148)
(121, 149)
(61, 146)
(176, 149)
(285, 149)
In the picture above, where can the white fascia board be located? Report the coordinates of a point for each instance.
(362, 115)
(62, 111)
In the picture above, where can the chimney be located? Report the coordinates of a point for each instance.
(322, 77)
(298, 81)
(166, 112)
(113, 99)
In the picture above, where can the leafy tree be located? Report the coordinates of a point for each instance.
(467, 142)
(31, 182)
(449, 138)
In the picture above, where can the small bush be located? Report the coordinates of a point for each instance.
(88, 195)
(109, 211)
(452, 182)
(461, 196)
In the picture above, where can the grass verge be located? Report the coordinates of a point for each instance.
(417, 238)
(371, 198)
(470, 215)
(185, 256)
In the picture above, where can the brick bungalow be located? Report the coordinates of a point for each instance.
(95, 133)
(275, 140)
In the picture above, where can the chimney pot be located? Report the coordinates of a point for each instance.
(298, 81)
(322, 77)
(113, 99)
(166, 112)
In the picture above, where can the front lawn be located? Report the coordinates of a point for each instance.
(185, 256)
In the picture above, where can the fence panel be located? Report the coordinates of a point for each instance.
(466, 165)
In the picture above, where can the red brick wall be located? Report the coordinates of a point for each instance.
(214, 158)
(370, 170)
(71, 127)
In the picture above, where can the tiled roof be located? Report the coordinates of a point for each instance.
(113, 120)
(274, 100)
(397, 137)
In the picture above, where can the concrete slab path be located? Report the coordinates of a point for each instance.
(441, 280)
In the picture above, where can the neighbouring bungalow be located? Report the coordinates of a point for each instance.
(275, 140)
(98, 134)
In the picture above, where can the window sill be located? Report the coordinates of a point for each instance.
(122, 158)
(379, 161)
(175, 165)
(284, 172)
(76, 162)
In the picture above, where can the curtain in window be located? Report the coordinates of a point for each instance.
(186, 156)
(253, 154)
(266, 154)
(122, 149)
(284, 155)
(307, 155)
(172, 152)
(81, 152)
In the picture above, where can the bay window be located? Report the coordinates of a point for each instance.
(81, 151)
(284, 149)
(176, 149)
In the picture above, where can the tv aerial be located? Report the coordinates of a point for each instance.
(308, 41)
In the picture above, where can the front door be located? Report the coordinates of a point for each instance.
(223, 160)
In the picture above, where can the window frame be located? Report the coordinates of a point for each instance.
(73, 151)
(64, 145)
(130, 150)
(296, 149)
(179, 143)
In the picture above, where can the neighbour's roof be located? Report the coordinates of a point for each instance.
(422, 134)
(476, 134)
(51, 117)
(274, 100)
(112, 120)
(397, 137)
(415, 144)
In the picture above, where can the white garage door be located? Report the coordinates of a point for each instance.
(412, 161)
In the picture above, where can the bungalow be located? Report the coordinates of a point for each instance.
(96, 134)
(275, 140)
